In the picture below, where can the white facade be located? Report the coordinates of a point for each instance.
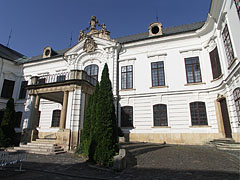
(176, 93)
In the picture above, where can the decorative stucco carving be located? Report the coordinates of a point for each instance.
(89, 45)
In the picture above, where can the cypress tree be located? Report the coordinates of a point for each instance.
(7, 132)
(106, 124)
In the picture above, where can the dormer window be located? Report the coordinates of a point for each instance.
(48, 52)
(155, 29)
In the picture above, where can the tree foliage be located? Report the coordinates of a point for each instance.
(106, 123)
(7, 132)
(99, 135)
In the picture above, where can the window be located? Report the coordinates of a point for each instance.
(56, 118)
(228, 45)
(236, 95)
(158, 78)
(39, 115)
(61, 78)
(160, 115)
(127, 77)
(41, 81)
(1, 116)
(23, 90)
(237, 2)
(215, 63)
(198, 113)
(193, 70)
(127, 116)
(8, 87)
(18, 119)
(92, 71)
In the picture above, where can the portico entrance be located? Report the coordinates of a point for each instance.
(71, 92)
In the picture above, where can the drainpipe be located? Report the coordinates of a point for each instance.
(1, 69)
(117, 89)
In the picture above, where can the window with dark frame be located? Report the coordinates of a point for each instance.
(23, 90)
(158, 77)
(92, 71)
(236, 95)
(215, 63)
(1, 115)
(7, 89)
(160, 115)
(39, 116)
(56, 118)
(61, 78)
(228, 45)
(42, 81)
(127, 116)
(193, 71)
(18, 119)
(237, 3)
(198, 113)
(127, 77)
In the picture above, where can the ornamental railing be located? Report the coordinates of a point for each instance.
(64, 76)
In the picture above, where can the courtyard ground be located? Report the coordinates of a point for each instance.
(145, 161)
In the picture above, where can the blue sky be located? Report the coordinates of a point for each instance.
(36, 24)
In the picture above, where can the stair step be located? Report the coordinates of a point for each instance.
(45, 140)
(41, 144)
(39, 147)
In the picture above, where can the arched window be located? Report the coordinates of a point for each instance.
(56, 118)
(198, 113)
(127, 116)
(18, 119)
(92, 71)
(160, 115)
(236, 95)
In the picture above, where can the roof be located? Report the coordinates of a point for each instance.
(166, 31)
(128, 39)
(39, 57)
(9, 54)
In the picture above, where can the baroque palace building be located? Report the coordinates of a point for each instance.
(176, 85)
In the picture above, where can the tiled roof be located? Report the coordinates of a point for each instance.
(166, 32)
(9, 54)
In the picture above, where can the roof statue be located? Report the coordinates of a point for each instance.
(93, 24)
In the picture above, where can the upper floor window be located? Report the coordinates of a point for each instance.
(158, 78)
(56, 118)
(92, 71)
(215, 63)
(61, 78)
(23, 90)
(127, 116)
(42, 80)
(228, 45)
(193, 71)
(236, 95)
(237, 2)
(198, 113)
(127, 77)
(7, 89)
(160, 115)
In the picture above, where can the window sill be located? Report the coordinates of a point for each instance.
(200, 126)
(155, 87)
(230, 65)
(190, 84)
(161, 127)
(219, 77)
(127, 89)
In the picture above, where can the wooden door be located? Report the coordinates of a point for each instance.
(225, 117)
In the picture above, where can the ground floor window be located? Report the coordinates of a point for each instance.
(127, 116)
(236, 95)
(18, 119)
(198, 113)
(160, 115)
(56, 118)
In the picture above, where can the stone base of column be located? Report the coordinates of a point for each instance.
(63, 138)
(28, 135)
(34, 135)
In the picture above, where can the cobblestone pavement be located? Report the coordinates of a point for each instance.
(145, 161)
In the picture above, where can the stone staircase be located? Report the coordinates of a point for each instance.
(225, 144)
(41, 146)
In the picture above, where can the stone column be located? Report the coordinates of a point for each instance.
(35, 110)
(64, 110)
